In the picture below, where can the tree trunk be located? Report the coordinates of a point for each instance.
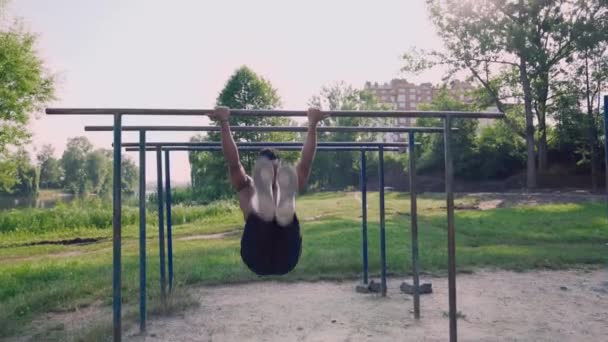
(592, 130)
(531, 165)
(541, 109)
(543, 162)
(594, 164)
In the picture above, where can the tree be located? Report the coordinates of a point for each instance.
(130, 175)
(345, 165)
(581, 88)
(496, 39)
(243, 90)
(25, 87)
(98, 166)
(27, 174)
(73, 162)
(50, 168)
(463, 143)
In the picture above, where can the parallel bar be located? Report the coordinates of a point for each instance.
(142, 231)
(272, 112)
(272, 143)
(363, 183)
(253, 148)
(269, 129)
(382, 227)
(161, 229)
(117, 230)
(169, 220)
(414, 225)
(449, 178)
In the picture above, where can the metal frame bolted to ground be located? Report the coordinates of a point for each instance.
(118, 113)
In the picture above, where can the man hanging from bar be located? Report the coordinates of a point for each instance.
(271, 243)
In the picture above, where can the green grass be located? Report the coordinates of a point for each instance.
(42, 278)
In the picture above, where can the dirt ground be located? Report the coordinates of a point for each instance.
(495, 305)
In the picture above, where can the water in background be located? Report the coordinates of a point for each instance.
(12, 202)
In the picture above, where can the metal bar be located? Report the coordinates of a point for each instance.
(363, 183)
(253, 148)
(273, 112)
(269, 129)
(414, 225)
(382, 227)
(142, 231)
(449, 178)
(273, 143)
(117, 229)
(161, 229)
(169, 220)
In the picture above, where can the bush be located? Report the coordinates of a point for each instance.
(500, 152)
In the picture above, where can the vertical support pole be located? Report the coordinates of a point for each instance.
(161, 228)
(117, 229)
(414, 222)
(382, 227)
(606, 138)
(169, 222)
(449, 178)
(363, 184)
(142, 230)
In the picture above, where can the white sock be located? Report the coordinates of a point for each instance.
(263, 202)
(287, 180)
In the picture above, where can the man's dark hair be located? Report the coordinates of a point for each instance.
(269, 153)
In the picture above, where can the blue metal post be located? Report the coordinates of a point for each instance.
(414, 223)
(363, 184)
(117, 228)
(169, 221)
(142, 230)
(161, 229)
(382, 227)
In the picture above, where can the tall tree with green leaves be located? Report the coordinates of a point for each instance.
(73, 162)
(50, 168)
(463, 144)
(98, 167)
(27, 174)
(345, 165)
(243, 90)
(495, 40)
(585, 79)
(25, 87)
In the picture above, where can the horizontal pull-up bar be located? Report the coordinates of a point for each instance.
(270, 129)
(280, 148)
(273, 144)
(273, 112)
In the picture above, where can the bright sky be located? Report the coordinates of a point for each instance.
(179, 54)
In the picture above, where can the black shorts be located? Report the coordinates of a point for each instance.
(269, 249)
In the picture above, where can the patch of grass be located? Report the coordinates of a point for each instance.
(43, 278)
(459, 315)
(93, 219)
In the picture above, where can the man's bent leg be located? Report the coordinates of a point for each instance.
(287, 180)
(263, 202)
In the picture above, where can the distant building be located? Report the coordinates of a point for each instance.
(400, 94)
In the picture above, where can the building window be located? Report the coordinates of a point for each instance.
(401, 98)
(412, 96)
